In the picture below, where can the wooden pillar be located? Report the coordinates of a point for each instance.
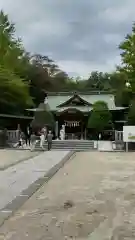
(81, 130)
(56, 129)
(85, 134)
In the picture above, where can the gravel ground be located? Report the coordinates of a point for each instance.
(91, 197)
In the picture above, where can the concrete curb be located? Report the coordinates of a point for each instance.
(116, 151)
(13, 206)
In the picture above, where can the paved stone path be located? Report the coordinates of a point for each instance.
(18, 178)
(92, 197)
(11, 157)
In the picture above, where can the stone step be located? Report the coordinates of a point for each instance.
(64, 145)
(71, 142)
(69, 145)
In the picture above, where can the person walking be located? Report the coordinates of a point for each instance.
(21, 140)
(49, 140)
(45, 131)
(42, 139)
(34, 141)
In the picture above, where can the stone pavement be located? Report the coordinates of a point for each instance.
(20, 181)
(9, 157)
(92, 197)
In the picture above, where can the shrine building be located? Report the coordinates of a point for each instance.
(74, 109)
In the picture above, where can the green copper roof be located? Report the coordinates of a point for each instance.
(55, 100)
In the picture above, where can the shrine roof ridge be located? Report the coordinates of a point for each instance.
(65, 93)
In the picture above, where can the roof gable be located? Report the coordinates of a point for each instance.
(56, 100)
(75, 100)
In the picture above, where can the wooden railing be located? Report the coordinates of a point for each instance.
(12, 135)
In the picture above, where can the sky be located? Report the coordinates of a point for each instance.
(80, 35)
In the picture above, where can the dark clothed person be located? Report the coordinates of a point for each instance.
(49, 140)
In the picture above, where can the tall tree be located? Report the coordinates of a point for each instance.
(99, 81)
(123, 97)
(131, 114)
(118, 80)
(127, 48)
(44, 76)
(43, 117)
(14, 92)
(125, 94)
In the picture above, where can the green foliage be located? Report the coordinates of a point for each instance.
(12, 89)
(131, 114)
(100, 118)
(44, 76)
(123, 97)
(118, 80)
(127, 48)
(11, 49)
(14, 92)
(43, 117)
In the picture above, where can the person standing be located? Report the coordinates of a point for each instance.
(28, 136)
(21, 140)
(49, 140)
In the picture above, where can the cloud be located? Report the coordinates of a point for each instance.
(81, 35)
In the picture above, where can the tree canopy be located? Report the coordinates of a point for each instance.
(14, 91)
(127, 48)
(100, 118)
(43, 117)
(131, 114)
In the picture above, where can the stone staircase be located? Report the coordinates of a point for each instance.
(75, 145)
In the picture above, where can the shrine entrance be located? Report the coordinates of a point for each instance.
(73, 129)
(73, 119)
